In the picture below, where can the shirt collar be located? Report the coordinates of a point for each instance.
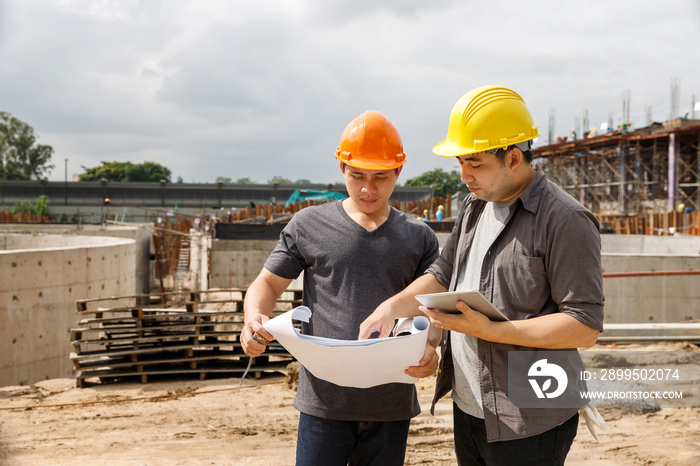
(530, 197)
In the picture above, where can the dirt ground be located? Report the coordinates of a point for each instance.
(216, 422)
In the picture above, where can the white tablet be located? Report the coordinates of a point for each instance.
(447, 302)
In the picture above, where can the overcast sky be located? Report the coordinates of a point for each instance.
(264, 88)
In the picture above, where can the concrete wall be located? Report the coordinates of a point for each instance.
(141, 233)
(654, 245)
(236, 263)
(651, 299)
(42, 277)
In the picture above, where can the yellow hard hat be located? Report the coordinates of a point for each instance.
(371, 142)
(488, 117)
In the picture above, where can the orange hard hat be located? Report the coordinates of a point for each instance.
(371, 142)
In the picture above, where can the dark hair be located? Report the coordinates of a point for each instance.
(501, 154)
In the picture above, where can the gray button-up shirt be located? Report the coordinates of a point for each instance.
(545, 260)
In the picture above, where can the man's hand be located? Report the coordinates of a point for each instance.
(403, 304)
(252, 347)
(258, 305)
(427, 366)
(468, 321)
(378, 321)
(552, 331)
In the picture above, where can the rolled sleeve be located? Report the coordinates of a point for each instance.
(574, 269)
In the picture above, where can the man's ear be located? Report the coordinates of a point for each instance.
(342, 166)
(516, 157)
(398, 171)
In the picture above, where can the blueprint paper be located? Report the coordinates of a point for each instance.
(353, 363)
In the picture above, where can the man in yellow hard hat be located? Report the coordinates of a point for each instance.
(534, 252)
(354, 254)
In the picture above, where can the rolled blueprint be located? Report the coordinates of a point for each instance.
(353, 363)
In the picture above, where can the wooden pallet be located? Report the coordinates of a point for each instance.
(158, 365)
(182, 337)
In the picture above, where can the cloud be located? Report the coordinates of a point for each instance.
(257, 89)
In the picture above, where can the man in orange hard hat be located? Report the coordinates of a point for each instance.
(354, 253)
(534, 252)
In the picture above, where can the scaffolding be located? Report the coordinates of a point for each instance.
(647, 171)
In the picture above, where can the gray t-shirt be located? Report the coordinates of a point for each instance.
(348, 272)
(466, 392)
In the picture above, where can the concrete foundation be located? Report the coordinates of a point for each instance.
(44, 274)
(140, 233)
(42, 277)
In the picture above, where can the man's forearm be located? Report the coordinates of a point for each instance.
(262, 294)
(554, 331)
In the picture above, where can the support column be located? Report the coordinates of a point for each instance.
(638, 180)
(581, 177)
(673, 149)
(697, 176)
(622, 153)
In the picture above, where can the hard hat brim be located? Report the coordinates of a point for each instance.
(450, 149)
(366, 165)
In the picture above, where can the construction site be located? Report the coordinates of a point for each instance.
(633, 180)
(108, 323)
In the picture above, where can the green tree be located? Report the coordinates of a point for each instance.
(444, 182)
(147, 171)
(279, 180)
(127, 172)
(245, 180)
(222, 179)
(21, 158)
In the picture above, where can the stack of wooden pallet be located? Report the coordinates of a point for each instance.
(196, 333)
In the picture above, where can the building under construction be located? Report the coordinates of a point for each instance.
(651, 170)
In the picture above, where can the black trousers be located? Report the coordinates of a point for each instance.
(548, 448)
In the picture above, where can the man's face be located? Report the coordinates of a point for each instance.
(487, 178)
(370, 189)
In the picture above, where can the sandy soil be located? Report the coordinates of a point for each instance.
(216, 422)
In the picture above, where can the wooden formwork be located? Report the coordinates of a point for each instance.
(196, 333)
(661, 224)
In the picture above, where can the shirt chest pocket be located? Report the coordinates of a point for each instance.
(522, 281)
